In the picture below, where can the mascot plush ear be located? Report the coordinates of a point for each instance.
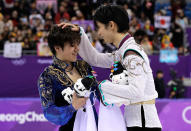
(119, 74)
(88, 82)
(82, 86)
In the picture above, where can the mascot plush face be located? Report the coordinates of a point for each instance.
(121, 79)
(82, 86)
(67, 94)
(119, 74)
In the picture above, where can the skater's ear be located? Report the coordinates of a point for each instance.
(112, 25)
(57, 48)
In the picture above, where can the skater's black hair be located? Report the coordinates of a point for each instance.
(58, 37)
(115, 13)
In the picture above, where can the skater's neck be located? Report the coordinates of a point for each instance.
(119, 37)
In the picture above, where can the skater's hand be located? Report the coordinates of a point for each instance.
(74, 26)
(77, 102)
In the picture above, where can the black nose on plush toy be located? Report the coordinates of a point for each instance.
(88, 82)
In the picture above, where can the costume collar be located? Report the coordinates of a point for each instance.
(124, 39)
(59, 63)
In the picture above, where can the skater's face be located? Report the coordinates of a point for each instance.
(105, 32)
(69, 52)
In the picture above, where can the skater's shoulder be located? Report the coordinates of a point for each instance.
(82, 64)
(47, 71)
(44, 76)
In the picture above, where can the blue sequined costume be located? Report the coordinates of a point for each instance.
(51, 83)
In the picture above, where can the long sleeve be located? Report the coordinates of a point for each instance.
(53, 113)
(91, 55)
(137, 80)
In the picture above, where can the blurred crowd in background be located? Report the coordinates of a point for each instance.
(22, 21)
